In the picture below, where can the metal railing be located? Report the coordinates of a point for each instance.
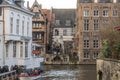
(8, 75)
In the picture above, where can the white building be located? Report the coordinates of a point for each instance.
(64, 28)
(16, 34)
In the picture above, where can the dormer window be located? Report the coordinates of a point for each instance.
(57, 22)
(68, 23)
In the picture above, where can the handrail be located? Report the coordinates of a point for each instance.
(2, 74)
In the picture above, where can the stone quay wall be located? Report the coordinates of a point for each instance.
(108, 69)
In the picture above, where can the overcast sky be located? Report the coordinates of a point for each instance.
(54, 3)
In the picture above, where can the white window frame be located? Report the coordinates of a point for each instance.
(17, 26)
(86, 42)
(115, 13)
(86, 13)
(26, 49)
(23, 27)
(7, 50)
(14, 49)
(96, 24)
(86, 55)
(105, 13)
(57, 22)
(86, 24)
(21, 50)
(95, 42)
(64, 32)
(96, 13)
(68, 23)
(95, 54)
(27, 28)
(11, 24)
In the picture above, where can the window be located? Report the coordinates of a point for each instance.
(33, 25)
(95, 55)
(104, 1)
(65, 32)
(105, 13)
(17, 26)
(95, 42)
(86, 24)
(0, 11)
(37, 35)
(86, 42)
(11, 25)
(23, 25)
(26, 49)
(96, 24)
(57, 22)
(40, 25)
(115, 13)
(68, 23)
(14, 49)
(86, 54)
(96, 13)
(27, 28)
(21, 50)
(86, 13)
(36, 25)
(56, 32)
(7, 50)
(36, 15)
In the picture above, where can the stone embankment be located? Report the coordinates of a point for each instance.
(108, 69)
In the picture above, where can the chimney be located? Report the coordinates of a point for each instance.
(28, 4)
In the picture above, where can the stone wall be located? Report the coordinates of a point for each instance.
(108, 69)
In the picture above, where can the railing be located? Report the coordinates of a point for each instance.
(8, 75)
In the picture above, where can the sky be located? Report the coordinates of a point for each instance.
(47, 4)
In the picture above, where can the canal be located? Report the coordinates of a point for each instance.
(69, 72)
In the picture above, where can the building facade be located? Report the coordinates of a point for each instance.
(62, 35)
(15, 34)
(92, 17)
(39, 29)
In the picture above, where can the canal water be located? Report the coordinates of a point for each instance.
(69, 72)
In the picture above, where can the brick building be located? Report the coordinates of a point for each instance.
(92, 17)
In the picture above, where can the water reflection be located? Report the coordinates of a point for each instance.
(69, 72)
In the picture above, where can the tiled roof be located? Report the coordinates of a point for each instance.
(63, 15)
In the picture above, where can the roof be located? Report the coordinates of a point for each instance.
(11, 3)
(36, 4)
(63, 15)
